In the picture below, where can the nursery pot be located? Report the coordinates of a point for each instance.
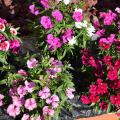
(110, 116)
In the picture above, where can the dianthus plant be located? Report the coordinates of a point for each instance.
(9, 47)
(102, 63)
(61, 27)
(40, 91)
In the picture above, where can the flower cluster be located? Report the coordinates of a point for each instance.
(8, 37)
(37, 95)
(55, 68)
(104, 64)
(63, 28)
(43, 86)
(33, 10)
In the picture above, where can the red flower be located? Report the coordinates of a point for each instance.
(117, 64)
(99, 81)
(85, 99)
(118, 84)
(92, 62)
(103, 105)
(112, 74)
(102, 88)
(84, 60)
(104, 46)
(94, 98)
(93, 89)
(115, 99)
(98, 72)
(115, 84)
(107, 60)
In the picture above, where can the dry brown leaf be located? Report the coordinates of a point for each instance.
(89, 3)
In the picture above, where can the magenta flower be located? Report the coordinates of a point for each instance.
(29, 86)
(30, 104)
(46, 22)
(111, 38)
(13, 110)
(25, 117)
(32, 63)
(14, 45)
(69, 93)
(96, 23)
(22, 72)
(108, 17)
(33, 10)
(104, 40)
(3, 21)
(100, 32)
(78, 15)
(54, 42)
(21, 91)
(67, 35)
(108, 40)
(45, 3)
(45, 93)
(50, 37)
(57, 15)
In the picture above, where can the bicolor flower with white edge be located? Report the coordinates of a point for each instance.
(66, 2)
(72, 41)
(90, 30)
(2, 27)
(13, 31)
(4, 46)
(80, 25)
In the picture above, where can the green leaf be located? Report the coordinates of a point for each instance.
(3, 81)
(38, 81)
(109, 107)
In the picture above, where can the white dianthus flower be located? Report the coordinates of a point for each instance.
(81, 24)
(67, 1)
(72, 41)
(90, 30)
